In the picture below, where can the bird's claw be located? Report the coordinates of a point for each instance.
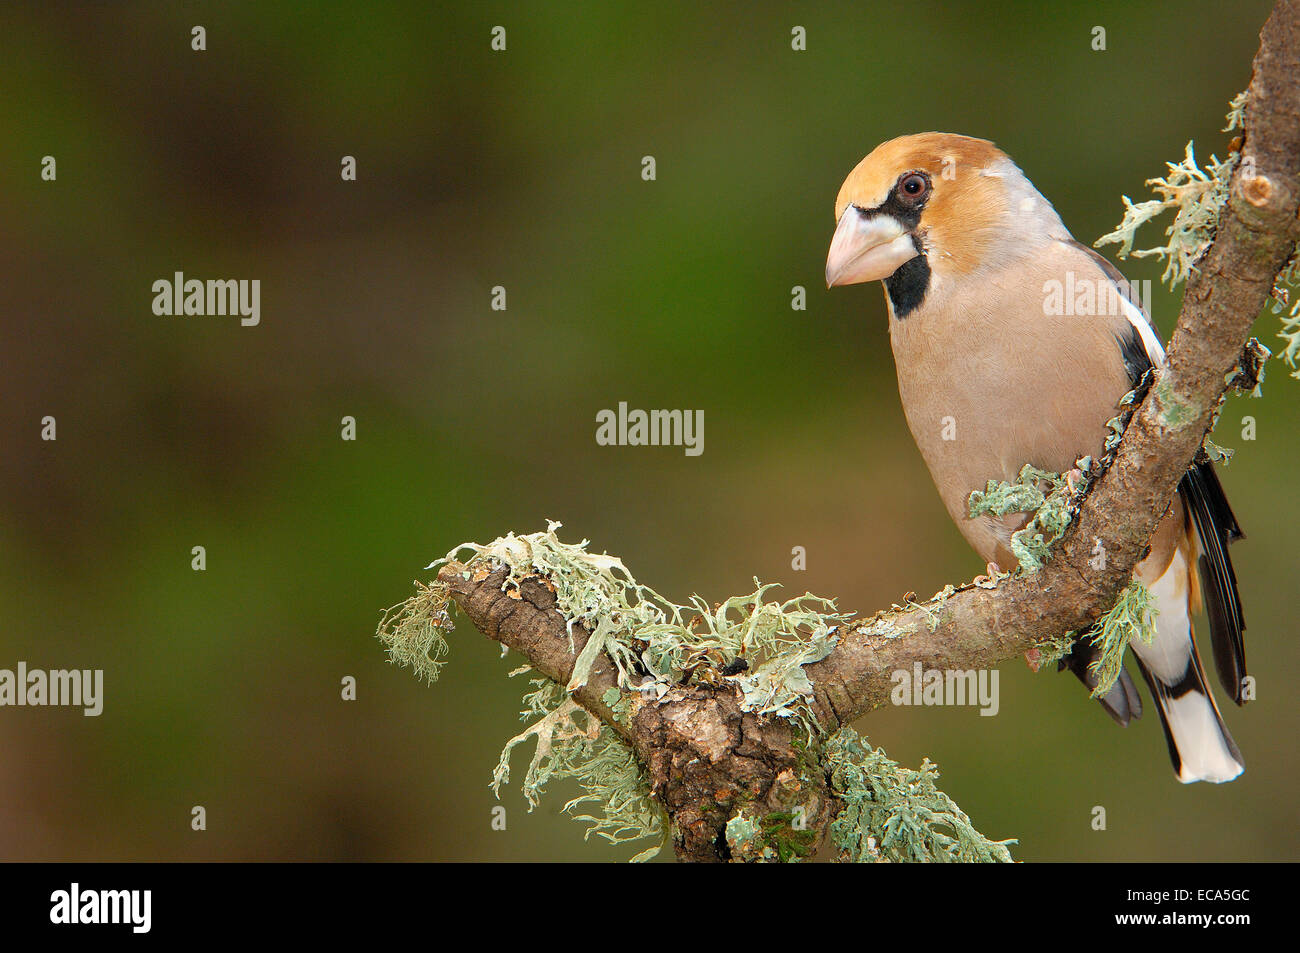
(989, 579)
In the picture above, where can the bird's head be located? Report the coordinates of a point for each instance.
(933, 205)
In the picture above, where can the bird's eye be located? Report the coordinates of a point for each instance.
(913, 187)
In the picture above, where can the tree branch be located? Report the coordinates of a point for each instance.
(705, 755)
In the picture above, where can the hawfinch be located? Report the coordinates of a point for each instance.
(993, 376)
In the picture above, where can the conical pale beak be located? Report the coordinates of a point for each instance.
(866, 248)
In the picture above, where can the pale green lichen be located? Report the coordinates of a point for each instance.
(1174, 413)
(932, 608)
(1218, 454)
(780, 686)
(743, 839)
(655, 644)
(591, 590)
(1132, 617)
(1116, 425)
(614, 781)
(619, 703)
(1288, 280)
(1051, 651)
(1197, 196)
(653, 641)
(1047, 496)
(892, 813)
(572, 743)
(415, 632)
(556, 722)
(884, 626)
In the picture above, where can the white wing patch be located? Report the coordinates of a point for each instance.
(1155, 350)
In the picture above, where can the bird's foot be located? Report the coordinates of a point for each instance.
(990, 579)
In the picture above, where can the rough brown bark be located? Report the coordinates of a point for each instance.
(706, 757)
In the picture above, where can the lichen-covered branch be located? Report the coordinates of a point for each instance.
(729, 713)
(1255, 237)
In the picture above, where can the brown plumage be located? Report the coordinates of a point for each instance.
(1000, 364)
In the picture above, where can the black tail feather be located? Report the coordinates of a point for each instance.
(1209, 756)
(1216, 527)
(1122, 702)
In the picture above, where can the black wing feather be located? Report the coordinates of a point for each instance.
(1216, 527)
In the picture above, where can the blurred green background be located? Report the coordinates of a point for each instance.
(522, 169)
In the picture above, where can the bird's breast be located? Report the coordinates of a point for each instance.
(992, 385)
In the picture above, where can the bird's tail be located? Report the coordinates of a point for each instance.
(1199, 743)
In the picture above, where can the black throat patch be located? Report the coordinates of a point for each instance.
(907, 286)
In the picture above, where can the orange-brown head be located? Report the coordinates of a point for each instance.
(933, 204)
